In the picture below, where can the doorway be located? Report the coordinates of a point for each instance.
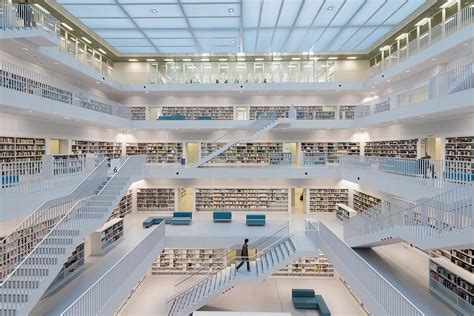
(241, 113)
(192, 153)
(298, 201)
(291, 148)
(58, 147)
(433, 148)
(185, 199)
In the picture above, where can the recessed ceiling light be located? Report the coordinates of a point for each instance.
(330, 8)
(407, 71)
(277, 58)
(97, 82)
(259, 59)
(388, 80)
(67, 26)
(332, 58)
(154, 11)
(187, 59)
(102, 51)
(26, 49)
(352, 57)
(204, 59)
(448, 4)
(132, 59)
(222, 59)
(147, 91)
(86, 40)
(56, 63)
(30, 111)
(231, 11)
(433, 59)
(402, 36)
(150, 59)
(233, 42)
(240, 59)
(422, 116)
(67, 118)
(295, 58)
(169, 59)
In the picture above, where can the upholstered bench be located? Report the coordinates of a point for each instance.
(148, 222)
(155, 220)
(182, 218)
(322, 307)
(255, 219)
(304, 299)
(222, 216)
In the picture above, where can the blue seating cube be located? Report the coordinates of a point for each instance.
(255, 219)
(182, 218)
(222, 216)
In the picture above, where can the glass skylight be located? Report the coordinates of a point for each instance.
(251, 26)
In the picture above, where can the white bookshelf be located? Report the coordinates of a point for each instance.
(109, 149)
(344, 212)
(138, 113)
(21, 149)
(406, 148)
(160, 153)
(332, 150)
(176, 261)
(382, 106)
(193, 112)
(347, 112)
(155, 199)
(258, 200)
(326, 200)
(124, 207)
(242, 153)
(363, 201)
(71, 268)
(318, 266)
(460, 149)
(106, 237)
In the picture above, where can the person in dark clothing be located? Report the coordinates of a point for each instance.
(245, 255)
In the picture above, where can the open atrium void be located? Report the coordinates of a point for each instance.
(237, 157)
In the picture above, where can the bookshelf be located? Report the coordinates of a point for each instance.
(326, 200)
(382, 106)
(180, 261)
(332, 150)
(21, 149)
(138, 113)
(124, 207)
(392, 148)
(241, 153)
(73, 265)
(153, 199)
(194, 112)
(364, 201)
(160, 153)
(259, 200)
(308, 266)
(106, 237)
(460, 149)
(109, 149)
(452, 284)
(280, 111)
(347, 112)
(344, 212)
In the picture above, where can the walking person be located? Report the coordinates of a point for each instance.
(244, 255)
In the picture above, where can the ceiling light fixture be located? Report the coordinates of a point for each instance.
(187, 59)
(386, 47)
(86, 40)
(259, 59)
(422, 22)
(150, 59)
(240, 59)
(222, 59)
(231, 11)
(154, 11)
(67, 26)
(332, 58)
(330, 8)
(132, 59)
(97, 82)
(352, 57)
(169, 59)
(295, 58)
(102, 51)
(204, 59)
(407, 71)
(25, 49)
(448, 4)
(38, 6)
(433, 59)
(277, 58)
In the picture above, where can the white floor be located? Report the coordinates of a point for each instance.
(271, 295)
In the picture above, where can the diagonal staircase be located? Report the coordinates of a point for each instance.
(262, 127)
(25, 285)
(443, 221)
(270, 260)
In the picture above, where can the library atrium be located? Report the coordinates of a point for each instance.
(237, 157)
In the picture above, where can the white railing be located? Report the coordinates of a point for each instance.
(447, 212)
(24, 80)
(44, 218)
(93, 300)
(31, 176)
(460, 20)
(363, 278)
(438, 173)
(25, 16)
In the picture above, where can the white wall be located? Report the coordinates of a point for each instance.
(352, 70)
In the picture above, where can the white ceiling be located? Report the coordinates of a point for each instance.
(231, 26)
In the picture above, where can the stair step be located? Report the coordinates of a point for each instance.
(13, 297)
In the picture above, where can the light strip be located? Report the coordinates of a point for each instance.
(352, 57)
(86, 40)
(332, 58)
(46, 11)
(102, 51)
(448, 4)
(67, 26)
(132, 59)
(423, 22)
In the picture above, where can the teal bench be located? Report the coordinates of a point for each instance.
(222, 216)
(255, 219)
(322, 307)
(155, 220)
(172, 117)
(468, 177)
(304, 299)
(182, 218)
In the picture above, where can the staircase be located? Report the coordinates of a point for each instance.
(268, 261)
(25, 285)
(443, 221)
(262, 127)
